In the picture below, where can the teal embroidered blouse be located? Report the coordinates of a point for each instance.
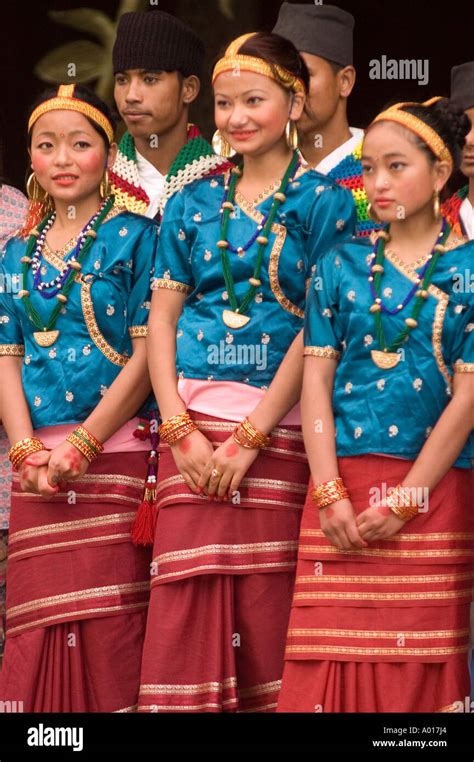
(316, 214)
(391, 411)
(107, 307)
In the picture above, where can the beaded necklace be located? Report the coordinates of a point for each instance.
(236, 317)
(388, 357)
(50, 289)
(60, 286)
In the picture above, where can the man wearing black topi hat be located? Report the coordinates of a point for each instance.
(323, 34)
(459, 209)
(157, 61)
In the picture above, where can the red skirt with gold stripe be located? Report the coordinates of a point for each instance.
(222, 581)
(77, 592)
(385, 628)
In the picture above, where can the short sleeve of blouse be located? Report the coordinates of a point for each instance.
(11, 334)
(462, 352)
(323, 330)
(172, 263)
(331, 221)
(140, 293)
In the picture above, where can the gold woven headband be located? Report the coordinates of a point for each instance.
(65, 101)
(420, 128)
(234, 61)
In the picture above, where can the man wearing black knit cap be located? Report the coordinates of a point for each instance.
(459, 209)
(157, 61)
(323, 35)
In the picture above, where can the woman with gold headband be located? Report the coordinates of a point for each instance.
(74, 308)
(234, 258)
(380, 617)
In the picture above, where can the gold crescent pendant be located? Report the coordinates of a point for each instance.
(45, 338)
(234, 319)
(385, 360)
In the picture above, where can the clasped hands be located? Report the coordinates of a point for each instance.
(216, 473)
(347, 531)
(47, 471)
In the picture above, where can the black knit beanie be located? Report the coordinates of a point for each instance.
(156, 41)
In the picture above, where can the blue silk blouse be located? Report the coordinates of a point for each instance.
(317, 214)
(107, 307)
(391, 411)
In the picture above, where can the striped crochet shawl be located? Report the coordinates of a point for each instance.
(451, 209)
(348, 174)
(196, 159)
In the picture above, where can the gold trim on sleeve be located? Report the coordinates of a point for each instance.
(12, 350)
(463, 367)
(329, 352)
(138, 331)
(172, 285)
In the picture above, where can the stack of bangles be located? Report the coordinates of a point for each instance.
(22, 449)
(248, 436)
(399, 501)
(86, 443)
(329, 492)
(177, 427)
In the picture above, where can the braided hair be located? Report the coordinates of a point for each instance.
(448, 121)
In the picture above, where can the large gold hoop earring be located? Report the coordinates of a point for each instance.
(371, 214)
(291, 135)
(34, 189)
(37, 194)
(104, 187)
(436, 206)
(222, 146)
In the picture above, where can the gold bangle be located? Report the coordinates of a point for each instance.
(23, 448)
(248, 436)
(183, 431)
(400, 503)
(176, 428)
(329, 492)
(85, 442)
(91, 440)
(83, 448)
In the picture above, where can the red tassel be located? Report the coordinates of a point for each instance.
(143, 527)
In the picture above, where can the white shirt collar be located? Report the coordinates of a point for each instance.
(466, 214)
(339, 153)
(152, 181)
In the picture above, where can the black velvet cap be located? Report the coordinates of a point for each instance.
(321, 30)
(462, 85)
(155, 40)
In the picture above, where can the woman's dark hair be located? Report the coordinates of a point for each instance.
(449, 122)
(276, 50)
(88, 96)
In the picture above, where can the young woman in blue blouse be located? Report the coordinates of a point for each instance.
(74, 303)
(380, 617)
(225, 355)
